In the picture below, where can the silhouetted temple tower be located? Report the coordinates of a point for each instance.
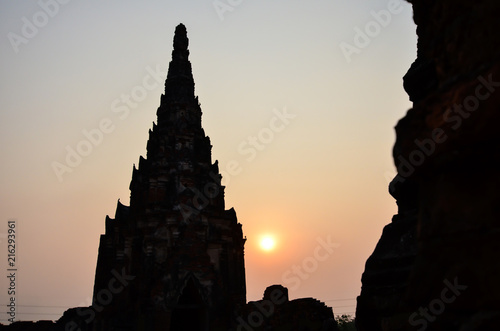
(173, 260)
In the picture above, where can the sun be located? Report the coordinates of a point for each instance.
(267, 243)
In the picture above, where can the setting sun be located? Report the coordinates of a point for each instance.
(267, 243)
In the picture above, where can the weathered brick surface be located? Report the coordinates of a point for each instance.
(447, 152)
(181, 250)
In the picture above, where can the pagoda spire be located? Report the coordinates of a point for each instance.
(183, 249)
(179, 86)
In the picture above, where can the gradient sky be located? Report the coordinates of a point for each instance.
(322, 176)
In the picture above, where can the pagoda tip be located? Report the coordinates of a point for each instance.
(180, 38)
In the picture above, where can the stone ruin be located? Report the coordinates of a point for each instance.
(436, 266)
(174, 259)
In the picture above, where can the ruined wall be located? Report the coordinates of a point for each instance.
(436, 265)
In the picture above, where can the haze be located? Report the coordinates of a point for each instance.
(302, 129)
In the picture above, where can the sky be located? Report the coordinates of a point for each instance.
(299, 99)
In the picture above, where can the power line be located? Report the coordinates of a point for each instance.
(40, 306)
(22, 313)
(340, 299)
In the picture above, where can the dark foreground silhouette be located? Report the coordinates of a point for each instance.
(436, 265)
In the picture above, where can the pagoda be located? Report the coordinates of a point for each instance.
(174, 258)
